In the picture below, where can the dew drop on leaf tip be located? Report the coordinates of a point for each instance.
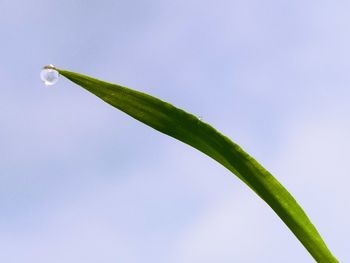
(49, 75)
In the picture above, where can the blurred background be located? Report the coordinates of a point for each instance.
(82, 182)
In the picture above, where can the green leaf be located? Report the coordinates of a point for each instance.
(187, 128)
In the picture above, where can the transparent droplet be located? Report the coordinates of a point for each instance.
(200, 117)
(49, 75)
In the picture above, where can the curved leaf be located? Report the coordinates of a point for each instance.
(187, 128)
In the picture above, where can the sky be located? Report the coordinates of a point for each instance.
(83, 182)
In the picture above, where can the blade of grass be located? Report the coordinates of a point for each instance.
(187, 128)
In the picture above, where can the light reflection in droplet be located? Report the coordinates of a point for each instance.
(49, 75)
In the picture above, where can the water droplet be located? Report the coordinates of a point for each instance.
(200, 118)
(49, 75)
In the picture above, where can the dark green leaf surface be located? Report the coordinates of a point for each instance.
(187, 128)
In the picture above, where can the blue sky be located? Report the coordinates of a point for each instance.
(82, 182)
